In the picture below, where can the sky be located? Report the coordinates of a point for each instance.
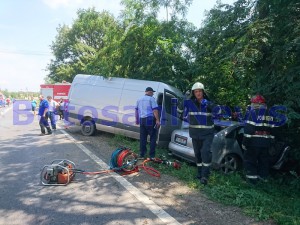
(28, 28)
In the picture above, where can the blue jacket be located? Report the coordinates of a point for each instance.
(200, 117)
(258, 130)
(43, 105)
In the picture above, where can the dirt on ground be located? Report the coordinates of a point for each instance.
(174, 196)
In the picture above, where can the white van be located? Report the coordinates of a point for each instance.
(108, 104)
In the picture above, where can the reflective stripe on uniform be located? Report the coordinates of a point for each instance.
(252, 176)
(260, 124)
(256, 135)
(199, 164)
(206, 164)
(200, 113)
(201, 126)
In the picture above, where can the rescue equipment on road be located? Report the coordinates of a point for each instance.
(123, 161)
(59, 172)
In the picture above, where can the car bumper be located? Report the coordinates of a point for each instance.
(182, 151)
(187, 153)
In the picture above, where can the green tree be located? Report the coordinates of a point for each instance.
(253, 47)
(153, 49)
(78, 48)
(218, 44)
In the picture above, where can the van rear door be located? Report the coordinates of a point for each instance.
(170, 106)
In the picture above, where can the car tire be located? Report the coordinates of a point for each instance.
(88, 128)
(230, 164)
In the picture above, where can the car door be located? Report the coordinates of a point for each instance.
(170, 106)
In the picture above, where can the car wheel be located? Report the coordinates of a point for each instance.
(230, 163)
(88, 128)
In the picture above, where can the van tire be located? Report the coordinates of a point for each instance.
(88, 128)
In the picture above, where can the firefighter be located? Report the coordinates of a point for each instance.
(257, 141)
(198, 112)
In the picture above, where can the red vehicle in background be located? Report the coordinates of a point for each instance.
(56, 91)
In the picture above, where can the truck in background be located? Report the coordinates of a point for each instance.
(56, 91)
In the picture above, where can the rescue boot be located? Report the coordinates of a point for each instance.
(205, 171)
(252, 181)
(49, 130)
(204, 180)
(199, 175)
(42, 129)
(205, 175)
(263, 179)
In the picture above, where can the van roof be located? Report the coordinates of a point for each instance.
(126, 83)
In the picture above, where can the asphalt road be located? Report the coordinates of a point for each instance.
(105, 199)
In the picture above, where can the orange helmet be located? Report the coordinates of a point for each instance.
(259, 99)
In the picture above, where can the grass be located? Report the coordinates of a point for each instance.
(278, 200)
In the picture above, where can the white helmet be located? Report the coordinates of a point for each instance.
(198, 85)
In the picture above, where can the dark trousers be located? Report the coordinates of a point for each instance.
(202, 150)
(61, 114)
(147, 128)
(256, 162)
(51, 116)
(44, 124)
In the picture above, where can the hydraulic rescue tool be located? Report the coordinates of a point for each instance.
(123, 161)
(59, 172)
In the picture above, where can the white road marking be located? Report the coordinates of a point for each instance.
(157, 210)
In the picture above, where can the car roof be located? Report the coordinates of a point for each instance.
(225, 125)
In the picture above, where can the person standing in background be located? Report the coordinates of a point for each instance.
(43, 109)
(61, 108)
(8, 101)
(33, 105)
(51, 112)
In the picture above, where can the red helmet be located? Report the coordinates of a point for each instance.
(259, 99)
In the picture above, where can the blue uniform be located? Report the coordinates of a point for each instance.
(43, 105)
(201, 130)
(258, 136)
(43, 118)
(145, 106)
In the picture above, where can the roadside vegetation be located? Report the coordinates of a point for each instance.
(277, 200)
(19, 94)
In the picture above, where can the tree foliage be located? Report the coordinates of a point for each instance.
(77, 49)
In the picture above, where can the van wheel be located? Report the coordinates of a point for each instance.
(88, 128)
(230, 163)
